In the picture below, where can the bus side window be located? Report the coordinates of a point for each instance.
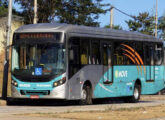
(107, 55)
(149, 55)
(74, 56)
(139, 49)
(84, 59)
(95, 53)
(71, 55)
(158, 58)
(23, 57)
(84, 51)
(118, 54)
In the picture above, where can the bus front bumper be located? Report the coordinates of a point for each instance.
(56, 93)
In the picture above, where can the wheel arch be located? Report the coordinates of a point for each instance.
(87, 83)
(87, 86)
(138, 82)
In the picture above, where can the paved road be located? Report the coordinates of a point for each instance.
(10, 112)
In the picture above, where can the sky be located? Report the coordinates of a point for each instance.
(132, 7)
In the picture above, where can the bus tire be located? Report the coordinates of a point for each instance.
(86, 96)
(136, 94)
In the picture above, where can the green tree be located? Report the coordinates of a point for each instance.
(161, 27)
(3, 8)
(143, 23)
(81, 12)
(117, 27)
(46, 10)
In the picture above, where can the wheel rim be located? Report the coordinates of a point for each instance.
(136, 93)
(84, 94)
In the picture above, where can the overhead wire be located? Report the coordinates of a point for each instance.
(134, 17)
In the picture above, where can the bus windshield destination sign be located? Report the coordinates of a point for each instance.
(36, 35)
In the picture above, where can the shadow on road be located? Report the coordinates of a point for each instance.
(54, 102)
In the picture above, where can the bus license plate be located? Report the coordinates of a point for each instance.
(34, 96)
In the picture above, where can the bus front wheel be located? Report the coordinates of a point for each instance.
(86, 96)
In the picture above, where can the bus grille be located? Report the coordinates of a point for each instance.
(35, 92)
(35, 78)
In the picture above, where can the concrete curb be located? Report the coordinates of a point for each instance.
(3, 102)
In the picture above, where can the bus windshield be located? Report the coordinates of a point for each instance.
(38, 59)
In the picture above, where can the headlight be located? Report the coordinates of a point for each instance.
(59, 82)
(13, 82)
(55, 84)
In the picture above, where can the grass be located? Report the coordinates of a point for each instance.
(130, 109)
(134, 113)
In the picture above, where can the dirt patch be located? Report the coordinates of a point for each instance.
(138, 113)
(152, 97)
(3, 102)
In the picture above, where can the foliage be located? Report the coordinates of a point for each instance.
(143, 23)
(81, 12)
(3, 8)
(46, 10)
(161, 26)
(117, 27)
(78, 12)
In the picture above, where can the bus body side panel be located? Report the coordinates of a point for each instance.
(152, 87)
(124, 78)
(159, 78)
(123, 82)
(76, 82)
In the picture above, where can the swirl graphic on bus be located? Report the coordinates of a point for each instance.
(134, 57)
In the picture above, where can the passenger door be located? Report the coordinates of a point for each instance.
(107, 62)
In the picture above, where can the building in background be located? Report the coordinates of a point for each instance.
(16, 23)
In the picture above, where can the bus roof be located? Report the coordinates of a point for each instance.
(84, 31)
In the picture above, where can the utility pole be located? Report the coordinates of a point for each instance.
(156, 19)
(111, 17)
(6, 63)
(35, 12)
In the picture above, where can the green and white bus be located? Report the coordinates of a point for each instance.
(71, 62)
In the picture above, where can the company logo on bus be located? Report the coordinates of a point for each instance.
(121, 74)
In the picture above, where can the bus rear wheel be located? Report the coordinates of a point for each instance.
(136, 95)
(86, 94)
